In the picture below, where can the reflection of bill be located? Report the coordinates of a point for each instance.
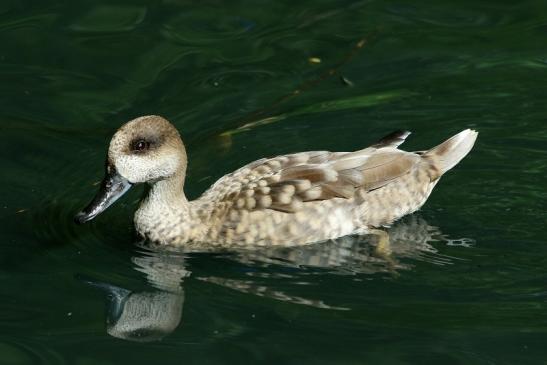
(151, 315)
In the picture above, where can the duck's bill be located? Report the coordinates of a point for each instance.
(112, 188)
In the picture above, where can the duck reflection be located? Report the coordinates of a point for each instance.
(151, 315)
(145, 316)
(410, 238)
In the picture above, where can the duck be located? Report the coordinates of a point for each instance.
(286, 200)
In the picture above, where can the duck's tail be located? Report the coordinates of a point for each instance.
(453, 150)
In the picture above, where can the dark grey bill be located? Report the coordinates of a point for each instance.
(113, 187)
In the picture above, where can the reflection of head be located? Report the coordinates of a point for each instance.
(145, 316)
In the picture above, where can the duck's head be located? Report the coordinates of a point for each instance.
(146, 149)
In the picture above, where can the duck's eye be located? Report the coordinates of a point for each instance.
(140, 145)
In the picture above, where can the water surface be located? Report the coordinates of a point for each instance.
(466, 279)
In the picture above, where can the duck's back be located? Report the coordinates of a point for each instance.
(313, 196)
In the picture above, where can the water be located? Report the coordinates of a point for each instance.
(466, 280)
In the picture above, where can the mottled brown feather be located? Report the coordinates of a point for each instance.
(286, 183)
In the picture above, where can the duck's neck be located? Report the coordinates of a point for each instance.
(165, 211)
(168, 193)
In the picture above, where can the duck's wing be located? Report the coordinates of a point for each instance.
(285, 183)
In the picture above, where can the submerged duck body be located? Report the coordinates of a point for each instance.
(285, 200)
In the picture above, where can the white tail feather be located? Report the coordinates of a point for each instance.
(451, 151)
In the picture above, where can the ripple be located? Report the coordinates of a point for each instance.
(34, 21)
(25, 351)
(455, 17)
(205, 27)
(109, 19)
(235, 77)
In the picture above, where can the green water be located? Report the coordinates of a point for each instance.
(466, 282)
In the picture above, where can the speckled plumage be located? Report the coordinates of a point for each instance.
(285, 200)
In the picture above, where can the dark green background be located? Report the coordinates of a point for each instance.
(235, 77)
